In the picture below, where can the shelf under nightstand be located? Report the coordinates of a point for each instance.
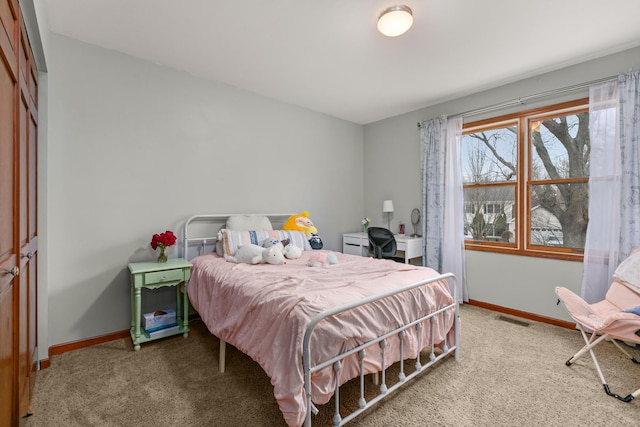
(154, 275)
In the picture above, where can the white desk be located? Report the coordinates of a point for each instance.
(358, 244)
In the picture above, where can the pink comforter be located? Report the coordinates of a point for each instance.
(263, 310)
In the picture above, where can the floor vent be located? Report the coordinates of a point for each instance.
(512, 320)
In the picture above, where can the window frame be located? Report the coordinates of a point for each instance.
(524, 181)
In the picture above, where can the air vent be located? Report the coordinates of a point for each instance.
(512, 320)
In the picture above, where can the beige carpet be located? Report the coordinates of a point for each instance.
(508, 375)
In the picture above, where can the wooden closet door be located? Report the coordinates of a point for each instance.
(9, 18)
(18, 226)
(27, 133)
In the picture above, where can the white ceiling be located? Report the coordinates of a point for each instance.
(326, 55)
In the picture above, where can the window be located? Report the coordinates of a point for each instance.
(526, 182)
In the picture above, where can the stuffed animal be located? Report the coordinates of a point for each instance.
(254, 254)
(315, 242)
(300, 222)
(322, 259)
(268, 242)
(292, 252)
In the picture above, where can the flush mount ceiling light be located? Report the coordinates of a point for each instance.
(395, 20)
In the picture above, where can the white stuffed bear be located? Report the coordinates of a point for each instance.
(254, 254)
(290, 251)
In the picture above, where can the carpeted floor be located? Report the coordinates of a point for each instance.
(508, 375)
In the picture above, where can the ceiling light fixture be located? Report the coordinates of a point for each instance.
(395, 20)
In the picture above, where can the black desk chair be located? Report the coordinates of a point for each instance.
(382, 242)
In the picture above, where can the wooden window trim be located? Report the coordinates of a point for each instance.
(524, 182)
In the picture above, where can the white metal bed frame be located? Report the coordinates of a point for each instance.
(207, 244)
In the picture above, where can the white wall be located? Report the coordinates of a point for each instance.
(135, 148)
(392, 171)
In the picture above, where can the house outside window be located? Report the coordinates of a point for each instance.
(526, 182)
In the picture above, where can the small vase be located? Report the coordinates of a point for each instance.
(366, 228)
(162, 257)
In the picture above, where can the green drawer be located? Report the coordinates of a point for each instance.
(163, 276)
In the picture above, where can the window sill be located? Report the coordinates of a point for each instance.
(564, 254)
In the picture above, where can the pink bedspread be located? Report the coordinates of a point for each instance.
(263, 310)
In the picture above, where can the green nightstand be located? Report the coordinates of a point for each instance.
(154, 275)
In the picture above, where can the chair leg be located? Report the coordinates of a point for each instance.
(590, 343)
(633, 359)
(628, 398)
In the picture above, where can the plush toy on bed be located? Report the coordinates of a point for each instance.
(254, 254)
(301, 222)
(322, 259)
(315, 242)
(290, 251)
(270, 241)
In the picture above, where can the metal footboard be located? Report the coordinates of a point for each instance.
(381, 343)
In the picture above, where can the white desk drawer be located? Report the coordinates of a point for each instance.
(355, 244)
(352, 249)
(352, 240)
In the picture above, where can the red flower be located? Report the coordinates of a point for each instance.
(163, 240)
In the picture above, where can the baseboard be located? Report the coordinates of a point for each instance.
(523, 314)
(63, 348)
(75, 345)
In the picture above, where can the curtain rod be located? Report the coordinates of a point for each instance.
(523, 99)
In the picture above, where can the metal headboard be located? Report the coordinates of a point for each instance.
(200, 232)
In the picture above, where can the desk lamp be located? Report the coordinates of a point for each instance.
(387, 207)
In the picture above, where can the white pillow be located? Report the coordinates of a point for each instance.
(243, 222)
(248, 222)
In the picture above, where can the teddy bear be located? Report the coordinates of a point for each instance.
(322, 259)
(290, 251)
(254, 254)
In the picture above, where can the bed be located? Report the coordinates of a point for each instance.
(314, 328)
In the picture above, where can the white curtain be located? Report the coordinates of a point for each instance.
(614, 181)
(629, 90)
(442, 198)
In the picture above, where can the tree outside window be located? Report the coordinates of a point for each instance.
(526, 182)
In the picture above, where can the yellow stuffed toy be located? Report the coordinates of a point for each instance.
(300, 222)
